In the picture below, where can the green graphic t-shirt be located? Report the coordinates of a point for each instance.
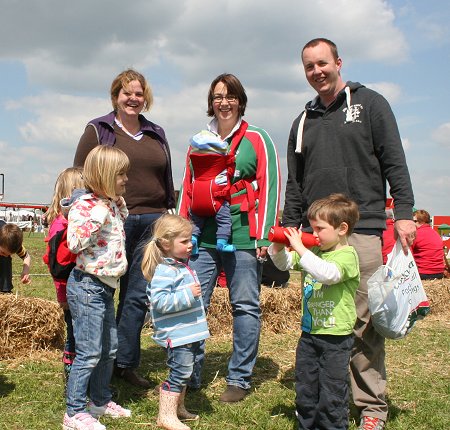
(330, 309)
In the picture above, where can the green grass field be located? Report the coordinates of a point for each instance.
(31, 389)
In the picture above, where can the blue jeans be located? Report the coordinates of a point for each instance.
(133, 301)
(180, 361)
(243, 272)
(322, 381)
(92, 306)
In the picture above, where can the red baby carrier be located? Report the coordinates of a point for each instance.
(206, 196)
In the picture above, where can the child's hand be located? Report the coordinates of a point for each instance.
(25, 278)
(196, 290)
(120, 202)
(295, 239)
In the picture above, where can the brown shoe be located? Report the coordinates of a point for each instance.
(130, 376)
(232, 394)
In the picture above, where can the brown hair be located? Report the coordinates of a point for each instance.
(122, 80)
(335, 209)
(234, 88)
(11, 238)
(314, 42)
(422, 216)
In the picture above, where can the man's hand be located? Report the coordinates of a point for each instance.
(405, 229)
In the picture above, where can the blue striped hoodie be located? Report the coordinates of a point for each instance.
(178, 317)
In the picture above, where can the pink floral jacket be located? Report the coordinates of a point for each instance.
(96, 234)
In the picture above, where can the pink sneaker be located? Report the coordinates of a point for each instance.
(111, 409)
(82, 421)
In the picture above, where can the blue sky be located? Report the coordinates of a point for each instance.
(58, 59)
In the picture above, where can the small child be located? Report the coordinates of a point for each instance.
(210, 187)
(11, 242)
(329, 312)
(95, 233)
(177, 312)
(67, 181)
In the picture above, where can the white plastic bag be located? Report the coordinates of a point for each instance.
(396, 295)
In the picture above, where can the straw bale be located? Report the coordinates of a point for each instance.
(29, 324)
(280, 310)
(281, 307)
(438, 294)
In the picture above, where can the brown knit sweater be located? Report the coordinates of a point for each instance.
(148, 163)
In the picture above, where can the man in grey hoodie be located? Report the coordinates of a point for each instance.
(347, 141)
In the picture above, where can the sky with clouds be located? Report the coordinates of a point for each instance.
(58, 59)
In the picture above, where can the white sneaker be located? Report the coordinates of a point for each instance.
(111, 409)
(82, 421)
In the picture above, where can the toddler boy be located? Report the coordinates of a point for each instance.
(331, 277)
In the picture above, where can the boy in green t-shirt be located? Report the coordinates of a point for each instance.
(331, 277)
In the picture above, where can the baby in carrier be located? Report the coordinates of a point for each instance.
(213, 168)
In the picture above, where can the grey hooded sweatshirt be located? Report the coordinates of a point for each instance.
(353, 147)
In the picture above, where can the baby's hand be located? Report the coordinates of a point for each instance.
(196, 290)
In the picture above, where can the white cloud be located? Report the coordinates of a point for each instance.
(406, 143)
(391, 92)
(69, 53)
(442, 135)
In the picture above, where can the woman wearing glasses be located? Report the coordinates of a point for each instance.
(253, 200)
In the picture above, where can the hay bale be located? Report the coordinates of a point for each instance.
(29, 324)
(438, 293)
(280, 310)
(281, 307)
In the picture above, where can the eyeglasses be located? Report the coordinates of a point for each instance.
(218, 98)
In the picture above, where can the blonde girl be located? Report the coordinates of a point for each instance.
(68, 180)
(96, 234)
(177, 312)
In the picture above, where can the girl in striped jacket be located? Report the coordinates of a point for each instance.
(177, 312)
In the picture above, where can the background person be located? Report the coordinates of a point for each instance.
(254, 209)
(68, 180)
(11, 242)
(150, 193)
(427, 249)
(347, 141)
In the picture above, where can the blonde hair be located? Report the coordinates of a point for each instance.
(122, 81)
(101, 168)
(67, 181)
(335, 209)
(166, 229)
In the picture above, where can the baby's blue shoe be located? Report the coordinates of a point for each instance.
(194, 240)
(224, 246)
